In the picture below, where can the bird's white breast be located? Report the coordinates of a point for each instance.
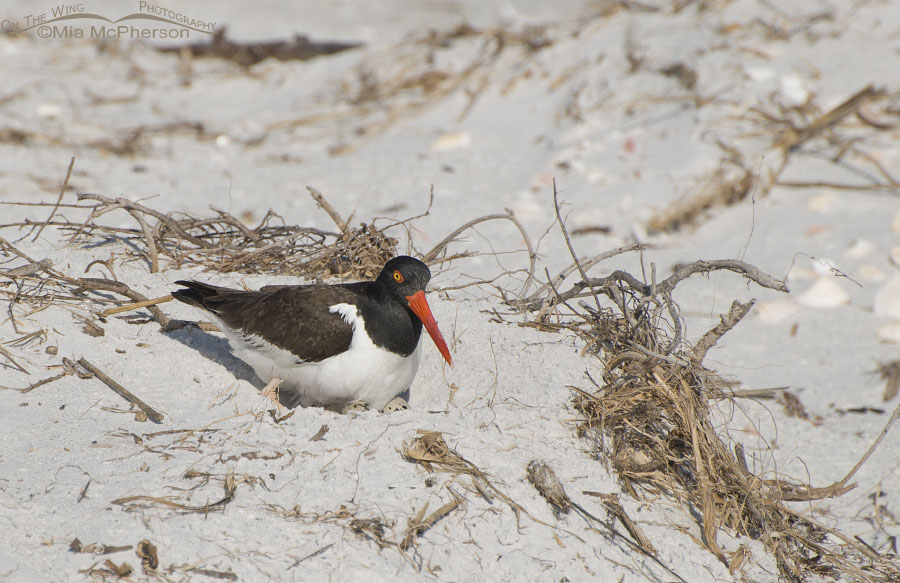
(364, 372)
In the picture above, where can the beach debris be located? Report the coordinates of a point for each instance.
(859, 249)
(140, 502)
(147, 411)
(146, 552)
(246, 54)
(825, 292)
(889, 333)
(320, 434)
(649, 415)
(887, 299)
(548, 485)
(418, 525)
(76, 546)
(451, 141)
(890, 373)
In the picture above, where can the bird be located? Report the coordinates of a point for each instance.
(330, 345)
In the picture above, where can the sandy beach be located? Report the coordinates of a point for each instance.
(673, 131)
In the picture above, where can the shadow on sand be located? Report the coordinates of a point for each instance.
(217, 349)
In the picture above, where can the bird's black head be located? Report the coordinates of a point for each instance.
(403, 276)
(404, 279)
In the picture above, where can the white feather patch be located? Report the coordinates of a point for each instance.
(364, 372)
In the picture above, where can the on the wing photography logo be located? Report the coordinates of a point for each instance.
(66, 21)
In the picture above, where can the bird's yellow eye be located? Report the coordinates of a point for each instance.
(398, 277)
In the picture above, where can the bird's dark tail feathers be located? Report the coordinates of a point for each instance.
(195, 294)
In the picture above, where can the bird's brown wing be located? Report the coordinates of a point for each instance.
(294, 318)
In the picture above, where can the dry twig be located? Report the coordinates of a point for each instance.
(651, 416)
(62, 191)
(544, 479)
(151, 413)
(141, 501)
(418, 525)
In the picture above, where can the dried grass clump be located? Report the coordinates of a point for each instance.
(653, 415)
(791, 131)
(220, 243)
(223, 243)
(430, 450)
(730, 183)
(247, 54)
(654, 418)
(651, 419)
(406, 79)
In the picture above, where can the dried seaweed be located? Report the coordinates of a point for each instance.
(651, 418)
(141, 502)
(222, 243)
(245, 54)
(410, 77)
(545, 481)
(890, 374)
(790, 131)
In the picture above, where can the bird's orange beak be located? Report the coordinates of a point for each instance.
(422, 311)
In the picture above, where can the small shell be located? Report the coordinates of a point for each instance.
(887, 299)
(775, 311)
(889, 333)
(452, 141)
(869, 272)
(801, 273)
(859, 249)
(759, 73)
(820, 203)
(825, 293)
(794, 89)
(48, 110)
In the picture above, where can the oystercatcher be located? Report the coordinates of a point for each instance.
(330, 345)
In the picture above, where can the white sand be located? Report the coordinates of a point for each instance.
(621, 144)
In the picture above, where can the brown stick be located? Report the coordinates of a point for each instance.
(535, 299)
(611, 530)
(326, 206)
(835, 185)
(137, 306)
(702, 266)
(833, 116)
(562, 226)
(93, 283)
(46, 265)
(148, 237)
(117, 203)
(417, 527)
(804, 493)
(510, 216)
(39, 383)
(29, 269)
(532, 255)
(728, 321)
(62, 191)
(872, 448)
(152, 413)
(597, 283)
(614, 507)
(9, 357)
